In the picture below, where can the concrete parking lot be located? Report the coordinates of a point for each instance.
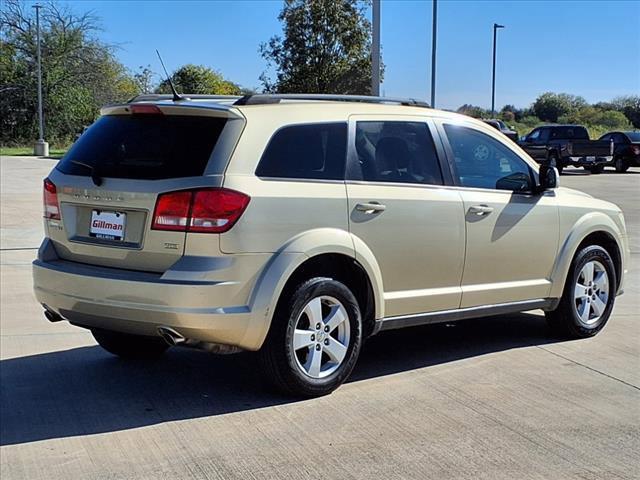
(498, 398)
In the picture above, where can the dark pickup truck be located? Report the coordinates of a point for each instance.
(563, 145)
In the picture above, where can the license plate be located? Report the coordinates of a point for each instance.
(107, 225)
(591, 159)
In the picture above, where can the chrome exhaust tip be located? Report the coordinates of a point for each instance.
(170, 336)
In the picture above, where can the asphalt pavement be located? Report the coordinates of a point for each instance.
(491, 399)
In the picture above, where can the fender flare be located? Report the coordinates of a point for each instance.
(285, 262)
(590, 223)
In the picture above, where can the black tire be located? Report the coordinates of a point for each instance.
(554, 161)
(565, 320)
(126, 345)
(278, 358)
(595, 169)
(620, 164)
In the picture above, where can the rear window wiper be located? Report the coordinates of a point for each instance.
(97, 180)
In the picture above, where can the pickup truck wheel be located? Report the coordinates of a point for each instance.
(130, 346)
(314, 340)
(588, 295)
(621, 165)
(595, 169)
(554, 161)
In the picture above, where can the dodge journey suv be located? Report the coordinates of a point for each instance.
(300, 225)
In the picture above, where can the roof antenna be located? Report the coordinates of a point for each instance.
(176, 95)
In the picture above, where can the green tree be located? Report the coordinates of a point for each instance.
(473, 111)
(79, 72)
(198, 79)
(630, 106)
(550, 106)
(144, 79)
(325, 48)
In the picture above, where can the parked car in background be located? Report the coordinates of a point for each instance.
(502, 127)
(564, 145)
(300, 225)
(626, 150)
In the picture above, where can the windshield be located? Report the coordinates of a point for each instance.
(147, 147)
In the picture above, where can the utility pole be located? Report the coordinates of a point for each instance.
(375, 49)
(433, 53)
(41, 148)
(493, 80)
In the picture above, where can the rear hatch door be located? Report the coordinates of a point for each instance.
(109, 181)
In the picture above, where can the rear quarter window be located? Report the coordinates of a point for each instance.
(316, 151)
(145, 147)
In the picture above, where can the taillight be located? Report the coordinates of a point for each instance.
(172, 211)
(211, 210)
(50, 200)
(635, 149)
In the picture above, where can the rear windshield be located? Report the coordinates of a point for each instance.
(145, 147)
(578, 133)
(633, 136)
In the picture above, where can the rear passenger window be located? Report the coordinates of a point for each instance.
(401, 152)
(315, 151)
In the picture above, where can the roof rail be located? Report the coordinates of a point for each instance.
(151, 97)
(264, 99)
(261, 99)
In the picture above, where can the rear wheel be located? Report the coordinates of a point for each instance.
(621, 165)
(126, 345)
(314, 340)
(588, 295)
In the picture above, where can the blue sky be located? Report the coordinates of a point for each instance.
(588, 48)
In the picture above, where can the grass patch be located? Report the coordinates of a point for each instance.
(28, 151)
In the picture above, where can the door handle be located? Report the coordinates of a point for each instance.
(371, 207)
(480, 210)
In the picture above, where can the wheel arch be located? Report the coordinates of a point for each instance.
(592, 229)
(320, 252)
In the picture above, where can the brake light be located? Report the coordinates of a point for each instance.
(172, 211)
(211, 210)
(146, 109)
(50, 200)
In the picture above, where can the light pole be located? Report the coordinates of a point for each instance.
(493, 80)
(433, 53)
(41, 148)
(375, 49)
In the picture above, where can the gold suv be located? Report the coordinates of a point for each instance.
(299, 225)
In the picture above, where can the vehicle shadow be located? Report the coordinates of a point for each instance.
(85, 390)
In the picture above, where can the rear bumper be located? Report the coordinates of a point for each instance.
(201, 309)
(587, 161)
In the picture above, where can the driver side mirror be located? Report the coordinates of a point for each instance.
(549, 177)
(516, 182)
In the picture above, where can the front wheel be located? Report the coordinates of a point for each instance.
(126, 345)
(554, 161)
(621, 165)
(588, 295)
(314, 340)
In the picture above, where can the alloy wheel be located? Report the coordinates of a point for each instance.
(591, 292)
(321, 337)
